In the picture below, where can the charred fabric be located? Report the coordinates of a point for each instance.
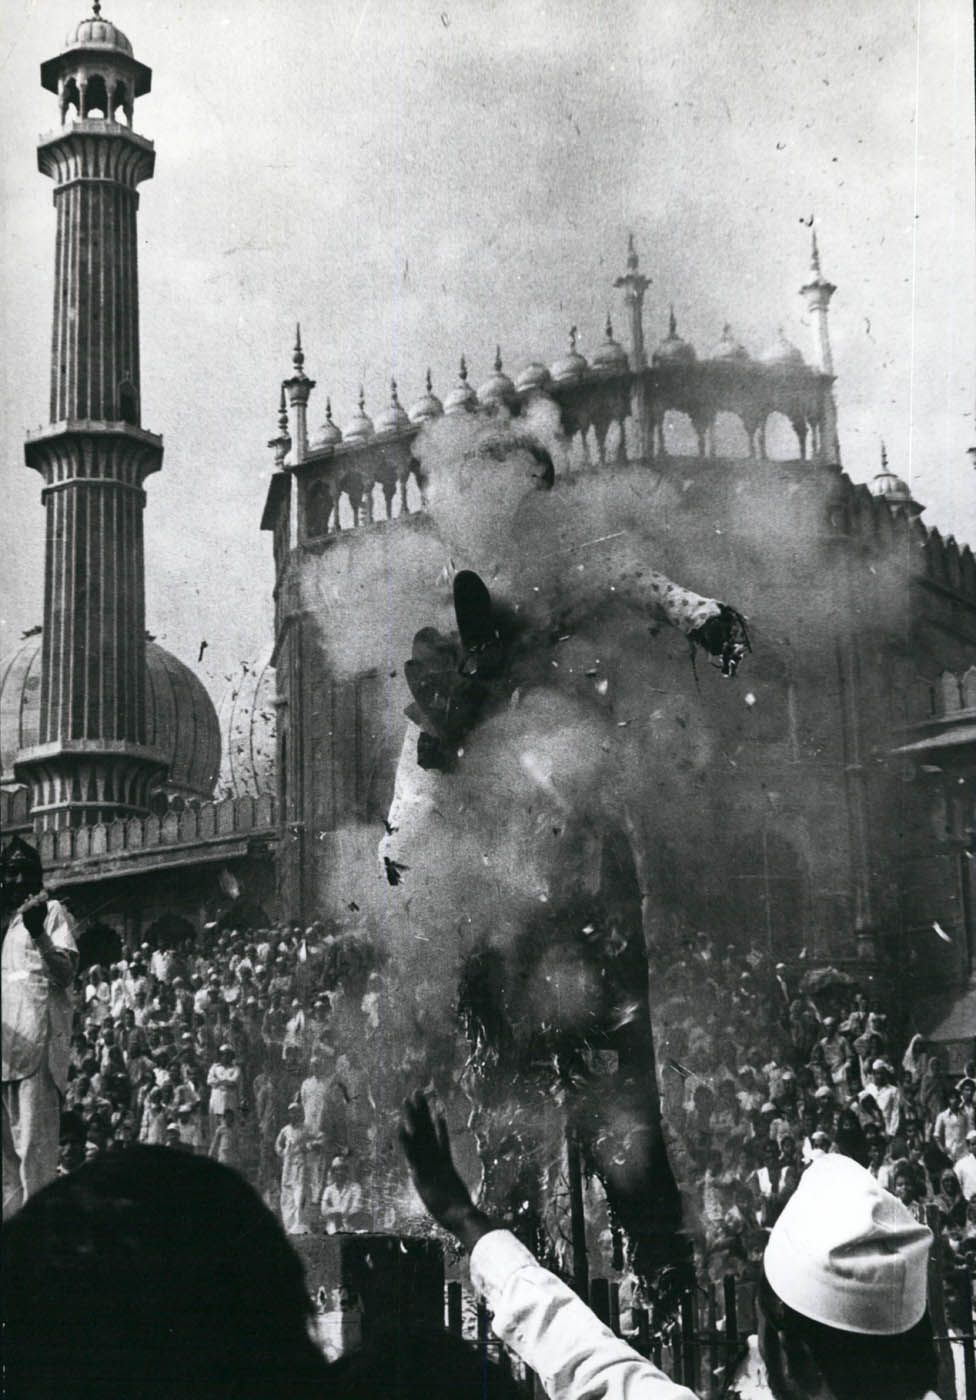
(594, 1061)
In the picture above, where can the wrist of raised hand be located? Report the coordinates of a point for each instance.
(467, 1223)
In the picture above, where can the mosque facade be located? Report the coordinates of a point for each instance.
(841, 818)
(837, 785)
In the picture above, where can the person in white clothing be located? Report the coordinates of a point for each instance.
(951, 1127)
(39, 962)
(342, 1200)
(965, 1167)
(842, 1312)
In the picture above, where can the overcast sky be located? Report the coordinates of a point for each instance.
(417, 178)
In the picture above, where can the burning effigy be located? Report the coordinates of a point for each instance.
(519, 834)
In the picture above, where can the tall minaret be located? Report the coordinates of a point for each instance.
(92, 763)
(634, 285)
(816, 292)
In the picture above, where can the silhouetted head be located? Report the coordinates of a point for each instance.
(155, 1275)
(20, 872)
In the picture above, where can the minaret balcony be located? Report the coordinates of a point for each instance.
(83, 451)
(95, 149)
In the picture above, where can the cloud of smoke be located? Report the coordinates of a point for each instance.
(608, 725)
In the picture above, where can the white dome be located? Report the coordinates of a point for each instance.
(533, 376)
(359, 429)
(428, 406)
(672, 350)
(570, 366)
(609, 356)
(728, 348)
(392, 419)
(462, 398)
(329, 435)
(180, 717)
(781, 352)
(497, 388)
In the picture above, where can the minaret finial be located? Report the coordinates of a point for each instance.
(672, 323)
(283, 412)
(498, 359)
(632, 259)
(298, 354)
(814, 251)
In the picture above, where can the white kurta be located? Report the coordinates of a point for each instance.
(290, 1147)
(547, 1325)
(36, 1013)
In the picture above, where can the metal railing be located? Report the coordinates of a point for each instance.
(701, 1344)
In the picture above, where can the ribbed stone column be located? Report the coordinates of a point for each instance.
(92, 763)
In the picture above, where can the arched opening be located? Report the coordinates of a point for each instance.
(69, 98)
(128, 403)
(98, 944)
(678, 434)
(119, 99)
(244, 914)
(729, 436)
(781, 440)
(318, 509)
(170, 931)
(96, 97)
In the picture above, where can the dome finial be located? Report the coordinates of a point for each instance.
(572, 339)
(328, 410)
(464, 370)
(393, 389)
(672, 323)
(429, 381)
(362, 399)
(608, 326)
(96, 8)
(884, 456)
(498, 359)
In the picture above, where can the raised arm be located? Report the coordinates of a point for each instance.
(533, 1312)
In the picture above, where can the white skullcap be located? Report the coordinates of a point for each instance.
(848, 1254)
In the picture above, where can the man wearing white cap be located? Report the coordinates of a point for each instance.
(841, 1307)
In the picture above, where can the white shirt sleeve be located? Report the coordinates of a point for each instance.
(553, 1332)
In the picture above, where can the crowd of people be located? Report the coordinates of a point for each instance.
(780, 1093)
(765, 1069)
(240, 1051)
(251, 1049)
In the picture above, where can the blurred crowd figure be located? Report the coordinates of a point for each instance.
(760, 1077)
(253, 1048)
(246, 1048)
